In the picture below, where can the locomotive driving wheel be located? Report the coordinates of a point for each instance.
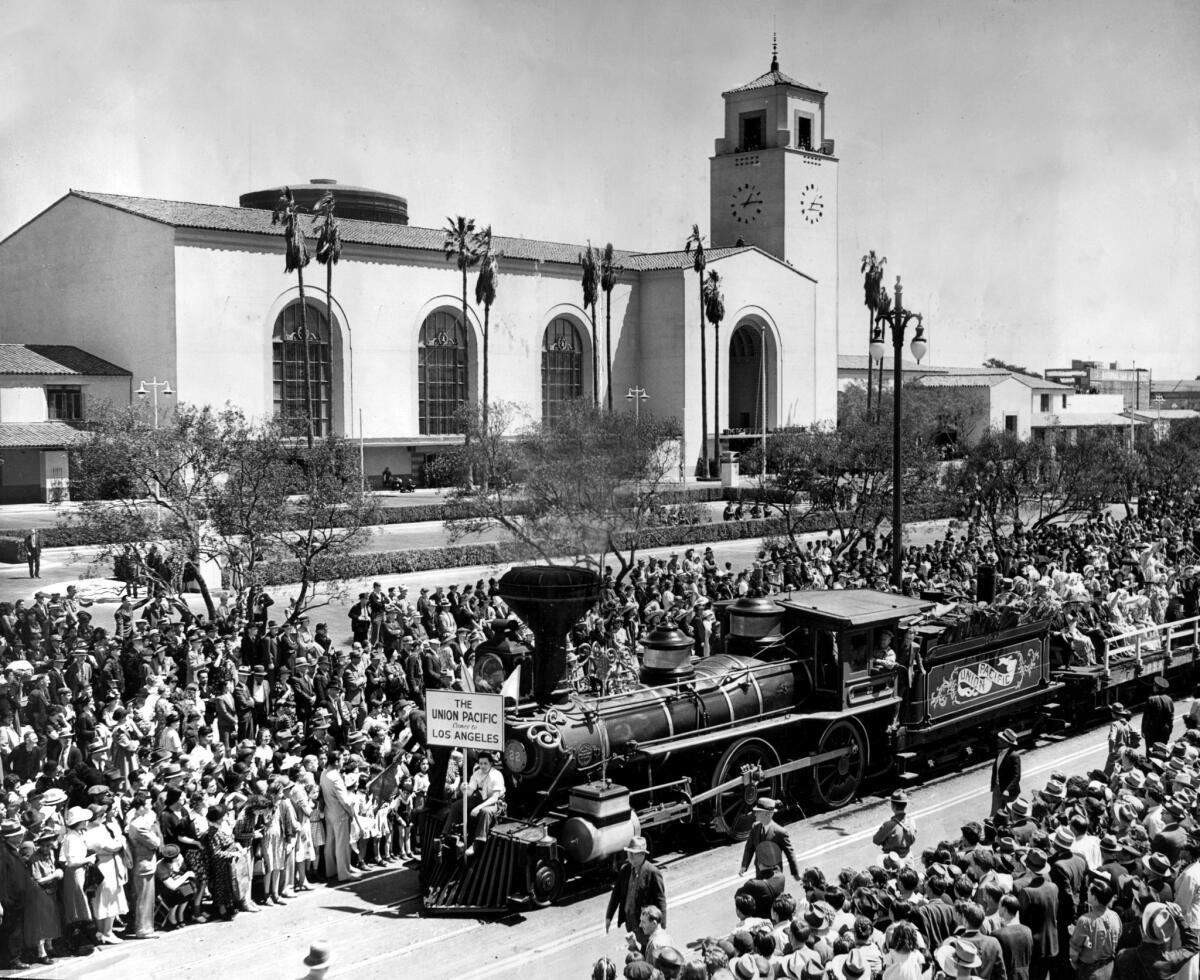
(835, 783)
(732, 813)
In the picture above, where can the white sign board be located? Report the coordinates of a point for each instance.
(458, 719)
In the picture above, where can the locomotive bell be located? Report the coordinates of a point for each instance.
(754, 623)
(666, 656)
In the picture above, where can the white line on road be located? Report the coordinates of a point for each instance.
(495, 969)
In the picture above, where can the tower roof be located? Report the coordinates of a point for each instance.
(773, 77)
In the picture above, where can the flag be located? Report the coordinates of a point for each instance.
(511, 688)
(464, 673)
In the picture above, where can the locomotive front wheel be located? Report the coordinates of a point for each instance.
(835, 783)
(733, 810)
(545, 881)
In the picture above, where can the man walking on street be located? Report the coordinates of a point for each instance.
(767, 846)
(639, 885)
(1006, 772)
(1158, 718)
(897, 832)
(33, 552)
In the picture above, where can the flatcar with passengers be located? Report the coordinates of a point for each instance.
(813, 693)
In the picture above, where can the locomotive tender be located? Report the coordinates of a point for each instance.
(800, 705)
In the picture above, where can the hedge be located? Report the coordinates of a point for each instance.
(502, 553)
(69, 536)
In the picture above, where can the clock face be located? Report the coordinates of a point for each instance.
(746, 204)
(812, 204)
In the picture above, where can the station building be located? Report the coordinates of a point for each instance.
(196, 293)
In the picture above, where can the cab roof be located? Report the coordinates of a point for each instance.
(855, 607)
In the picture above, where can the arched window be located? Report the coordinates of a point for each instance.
(287, 357)
(562, 367)
(442, 360)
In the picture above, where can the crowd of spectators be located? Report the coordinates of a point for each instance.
(179, 766)
(1092, 876)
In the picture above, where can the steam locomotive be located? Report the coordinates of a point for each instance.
(799, 705)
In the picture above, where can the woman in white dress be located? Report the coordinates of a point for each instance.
(106, 840)
(74, 858)
(304, 803)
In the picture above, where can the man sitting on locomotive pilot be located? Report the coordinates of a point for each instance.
(485, 790)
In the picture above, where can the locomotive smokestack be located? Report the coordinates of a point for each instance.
(550, 598)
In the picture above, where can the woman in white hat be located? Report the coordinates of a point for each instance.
(74, 858)
(106, 841)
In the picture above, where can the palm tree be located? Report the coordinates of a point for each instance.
(329, 251)
(608, 279)
(461, 244)
(695, 248)
(295, 257)
(589, 282)
(714, 309)
(872, 269)
(485, 294)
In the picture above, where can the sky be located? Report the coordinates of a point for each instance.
(1031, 168)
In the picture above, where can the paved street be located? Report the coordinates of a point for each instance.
(376, 931)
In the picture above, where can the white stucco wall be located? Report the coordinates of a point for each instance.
(85, 274)
(229, 298)
(22, 405)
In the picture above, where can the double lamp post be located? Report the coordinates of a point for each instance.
(895, 316)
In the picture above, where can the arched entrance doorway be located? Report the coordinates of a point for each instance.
(747, 378)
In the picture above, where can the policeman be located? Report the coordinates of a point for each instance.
(767, 846)
(897, 833)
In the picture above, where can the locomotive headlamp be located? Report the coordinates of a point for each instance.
(516, 756)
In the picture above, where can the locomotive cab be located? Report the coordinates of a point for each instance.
(856, 645)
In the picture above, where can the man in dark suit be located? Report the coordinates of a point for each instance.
(639, 884)
(1015, 939)
(1158, 717)
(767, 846)
(1006, 772)
(1039, 912)
(1068, 871)
(33, 553)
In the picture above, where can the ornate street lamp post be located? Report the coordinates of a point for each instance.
(898, 318)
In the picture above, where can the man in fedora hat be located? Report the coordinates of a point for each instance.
(1038, 898)
(1154, 957)
(1006, 771)
(639, 884)
(1158, 717)
(767, 846)
(1120, 736)
(317, 960)
(897, 833)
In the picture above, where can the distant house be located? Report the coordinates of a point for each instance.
(1175, 393)
(45, 391)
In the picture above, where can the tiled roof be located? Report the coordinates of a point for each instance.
(858, 362)
(1164, 414)
(60, 359)
(20, 359)
(655, 261)
(985, 378)
(218, 217)
(79, 361)
(38, 435)
(771, 78)
(1078, 420)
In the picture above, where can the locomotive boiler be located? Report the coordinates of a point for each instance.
(811, 693)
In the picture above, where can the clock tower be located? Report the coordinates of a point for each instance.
(774, 180)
